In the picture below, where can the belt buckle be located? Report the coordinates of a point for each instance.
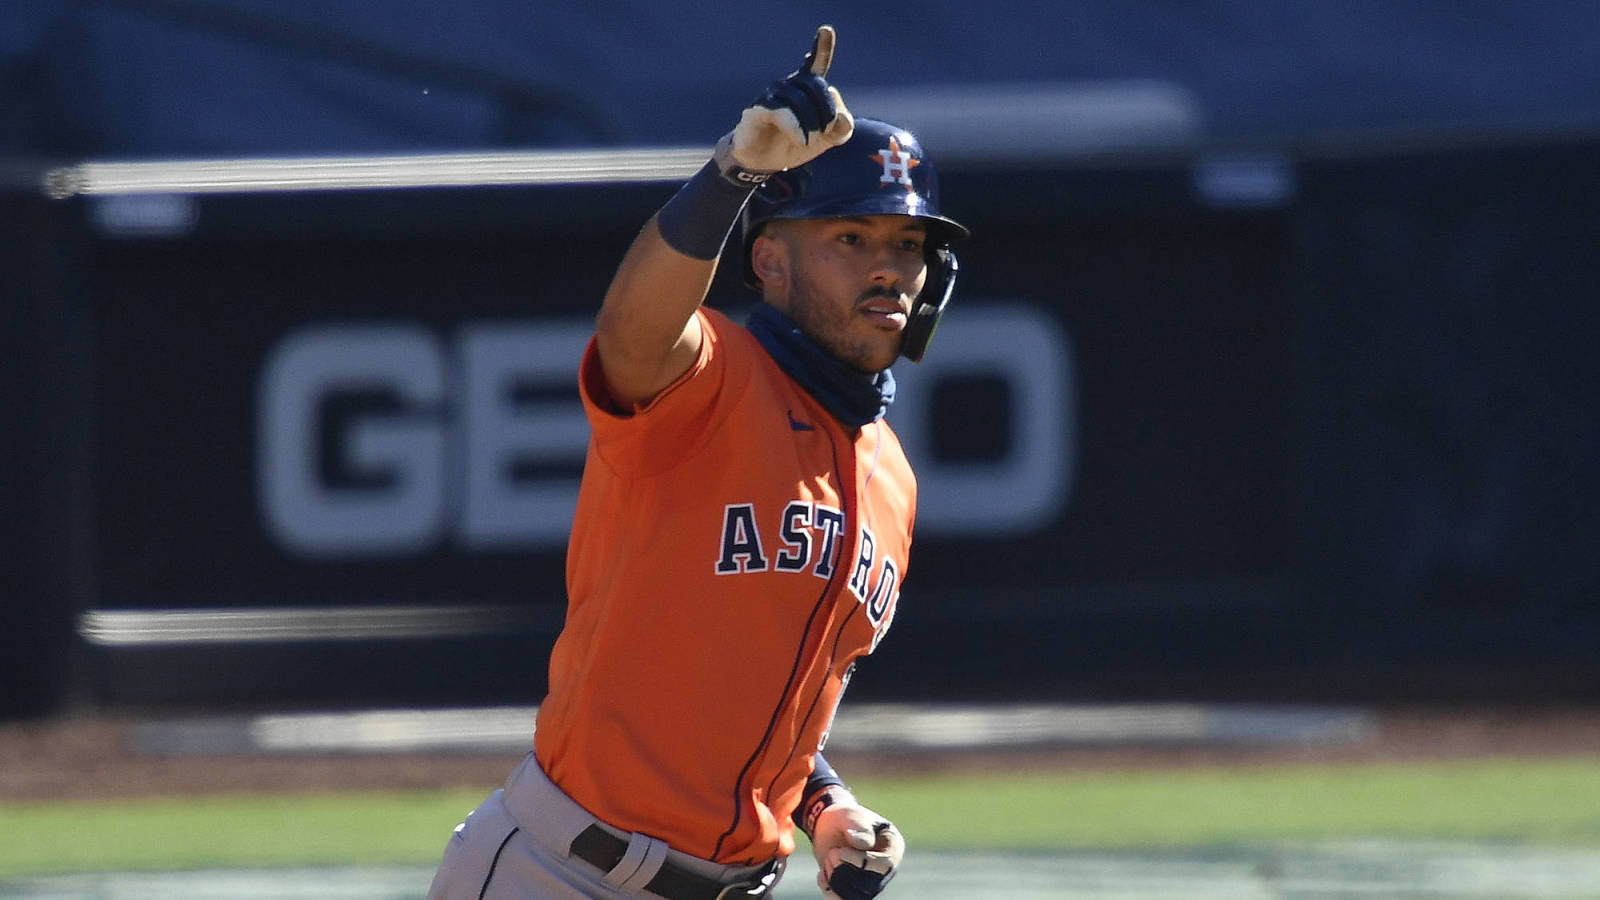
(756, 887)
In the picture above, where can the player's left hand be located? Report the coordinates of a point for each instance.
(857, 851)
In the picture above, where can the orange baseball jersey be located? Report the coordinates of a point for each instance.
(735, 551)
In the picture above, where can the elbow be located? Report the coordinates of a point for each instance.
(620, 344)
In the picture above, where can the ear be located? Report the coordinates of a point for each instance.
(769, 260)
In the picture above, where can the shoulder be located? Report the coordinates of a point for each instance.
(723, 330)
(734, 349)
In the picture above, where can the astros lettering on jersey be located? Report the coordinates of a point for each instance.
(700, 669)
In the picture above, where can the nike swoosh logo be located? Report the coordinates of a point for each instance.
(796, 425)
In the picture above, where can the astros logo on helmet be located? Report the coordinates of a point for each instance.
(897, 165)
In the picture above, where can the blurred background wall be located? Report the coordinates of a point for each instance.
(222, 77)
(1272, 374)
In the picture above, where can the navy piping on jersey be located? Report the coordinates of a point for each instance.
(811, 710)
(794, 669)
(877, 451)
(838, 636)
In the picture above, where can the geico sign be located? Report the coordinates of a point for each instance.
(388, 439)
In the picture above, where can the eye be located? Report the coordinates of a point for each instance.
(911, 245)
(850, 237)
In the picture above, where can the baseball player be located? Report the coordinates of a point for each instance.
(742, 529)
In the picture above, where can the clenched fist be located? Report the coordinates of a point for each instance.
(857, 851)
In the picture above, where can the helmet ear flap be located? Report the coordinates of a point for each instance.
(928, 308)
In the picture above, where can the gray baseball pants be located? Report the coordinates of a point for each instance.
(516, 846)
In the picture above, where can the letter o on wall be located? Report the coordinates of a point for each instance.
(1029, 483)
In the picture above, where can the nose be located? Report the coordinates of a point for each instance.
(886, 268)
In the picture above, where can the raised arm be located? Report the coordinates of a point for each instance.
(646, 332)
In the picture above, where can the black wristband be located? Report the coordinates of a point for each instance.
(816, 797)
(696, 221)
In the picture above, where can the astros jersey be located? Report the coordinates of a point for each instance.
(735, 550)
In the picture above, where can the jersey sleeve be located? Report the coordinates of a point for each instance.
(652, 437)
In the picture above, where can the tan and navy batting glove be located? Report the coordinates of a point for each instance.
(789, 125)
(857, 850)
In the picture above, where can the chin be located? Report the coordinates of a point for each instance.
(878, 363)
(869, 357)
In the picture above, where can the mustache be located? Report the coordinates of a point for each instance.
(879, 290)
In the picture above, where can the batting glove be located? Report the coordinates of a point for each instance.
(789, 125)
(857, 851)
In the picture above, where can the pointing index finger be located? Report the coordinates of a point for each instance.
(820, 59)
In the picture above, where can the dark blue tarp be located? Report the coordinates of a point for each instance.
(219, 77)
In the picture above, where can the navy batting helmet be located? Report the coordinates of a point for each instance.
(880, 170)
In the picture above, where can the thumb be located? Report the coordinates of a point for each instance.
(820, 59)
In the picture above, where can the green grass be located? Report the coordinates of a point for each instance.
(231, 831)
(1535, 801)
(1545, 801)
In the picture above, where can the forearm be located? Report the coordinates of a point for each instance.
(645, 334)
(665, 274)
(644, 331)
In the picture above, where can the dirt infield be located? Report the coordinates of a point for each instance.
(88, 757)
